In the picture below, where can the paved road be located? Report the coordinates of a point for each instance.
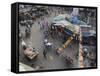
(53, 60)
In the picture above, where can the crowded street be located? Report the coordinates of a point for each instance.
(48, 40)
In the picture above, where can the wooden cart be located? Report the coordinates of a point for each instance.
(29, 53)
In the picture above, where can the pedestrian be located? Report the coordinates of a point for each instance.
(42, 25)
(45, 54)
(74, 16)
(23, 44)
(70, 60)
(45, 41)
(45, 22)
(28, 32)
(38, 22)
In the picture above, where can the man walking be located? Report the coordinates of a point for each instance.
(45, 54)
